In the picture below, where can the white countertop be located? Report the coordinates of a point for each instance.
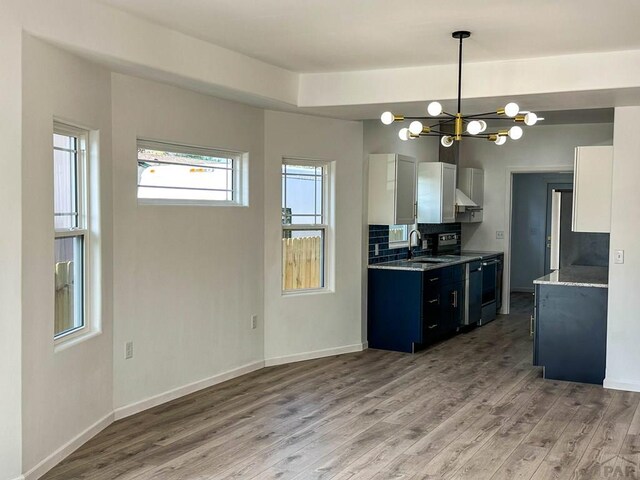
(577, 276)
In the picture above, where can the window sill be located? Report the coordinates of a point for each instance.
(67, 341)
(301, 293)
(188, 203)
(396, 245)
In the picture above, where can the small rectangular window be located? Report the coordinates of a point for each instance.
(398, 236)
(181, 174)
(70, 226)
(304, 225)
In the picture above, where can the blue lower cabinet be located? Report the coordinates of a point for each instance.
(455, 313)
(431, 312)
(408, 310)
(570, 332)
(452, 294)
(395, 309)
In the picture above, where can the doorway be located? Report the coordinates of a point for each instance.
(530, 232)
(565, 190)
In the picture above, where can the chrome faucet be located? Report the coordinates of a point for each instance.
(410, 254)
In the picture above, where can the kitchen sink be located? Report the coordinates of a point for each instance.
(430, 260)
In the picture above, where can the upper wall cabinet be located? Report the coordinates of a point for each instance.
(392, 189)
(436, 192)
(593, 172)
(471, 183)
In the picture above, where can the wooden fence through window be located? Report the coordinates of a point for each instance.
(64, 297)
(301, 263)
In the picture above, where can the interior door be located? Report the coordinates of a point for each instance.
(550, 238)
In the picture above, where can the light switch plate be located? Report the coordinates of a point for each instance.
(500, 235)
(619, 256)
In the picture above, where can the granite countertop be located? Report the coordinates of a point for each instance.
(577, 276)
(480, 253)
(416, 265)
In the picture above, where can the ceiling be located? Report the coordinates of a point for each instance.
(345, 35)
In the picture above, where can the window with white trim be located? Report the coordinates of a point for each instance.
(175, 174)
(398, 236)
(70, 228)
(305, 225)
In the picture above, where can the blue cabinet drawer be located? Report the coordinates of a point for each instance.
(437, 276)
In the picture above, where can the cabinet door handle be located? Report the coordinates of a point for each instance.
(435, 279)
(431, 327)
(454, 304)
(532, 322)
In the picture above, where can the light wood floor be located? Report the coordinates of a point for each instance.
(472, 407)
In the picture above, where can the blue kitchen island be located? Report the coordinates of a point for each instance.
(569, 324)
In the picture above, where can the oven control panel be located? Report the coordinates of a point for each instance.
(448, 238)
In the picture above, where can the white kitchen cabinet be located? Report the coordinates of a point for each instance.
(436, 192)
(593, 172)
(471, 183)
(470, 215)
(392, 189)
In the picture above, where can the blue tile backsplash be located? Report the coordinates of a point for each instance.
(379, 234)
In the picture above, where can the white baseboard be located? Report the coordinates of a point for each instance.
(327, 352)
(67, 449)
(165, 397)
(616, 385)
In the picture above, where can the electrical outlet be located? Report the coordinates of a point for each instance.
(425, 244)
(128, 350)
(499, 235)
(254, 322)
(619, 256)
(376, 249)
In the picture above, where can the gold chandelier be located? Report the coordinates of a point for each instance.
(473, 126)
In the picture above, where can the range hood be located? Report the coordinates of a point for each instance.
(451, 155)
(463, 202)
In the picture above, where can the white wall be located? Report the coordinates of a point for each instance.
(542, 145)
(187, 278)
(623, 327)
(562, 81)
(67, 391)
(133, 45)
(305, 325)
(10, 245)
(380, 138)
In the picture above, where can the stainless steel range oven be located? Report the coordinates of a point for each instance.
(447, 244)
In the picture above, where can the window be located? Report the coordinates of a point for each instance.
(398, 236)
(70, 226)
(180, 174)
(305, 194)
